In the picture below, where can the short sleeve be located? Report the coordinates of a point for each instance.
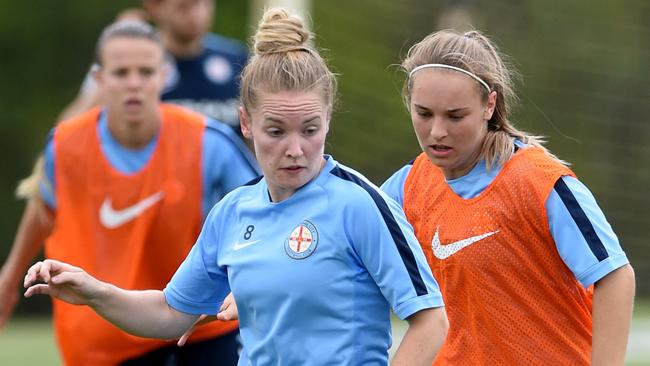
(47, 186)
(200, 285)
(583, 237)
(389, 250)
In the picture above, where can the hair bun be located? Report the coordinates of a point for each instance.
(280, 32)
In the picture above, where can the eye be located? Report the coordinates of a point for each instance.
(146, 71)
(120, 73)
(423, 113)
(274, 132)
(456, 117)
(311, 130)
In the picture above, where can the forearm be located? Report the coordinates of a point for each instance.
(35, 226)
(612, 312)
(423, 338)
(142, 313)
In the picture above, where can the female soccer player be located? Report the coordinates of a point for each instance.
(127, 186)
(314, 254)
(529, 268)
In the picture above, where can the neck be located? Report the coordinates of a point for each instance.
(134, 134)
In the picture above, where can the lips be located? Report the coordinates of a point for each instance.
(440, 148)
(133, 102)
(293, 168)
(440, 151)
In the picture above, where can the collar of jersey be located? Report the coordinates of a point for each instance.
(330, 163)
(125, 160)
(477, 180)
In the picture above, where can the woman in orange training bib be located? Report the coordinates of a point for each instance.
(529, 268)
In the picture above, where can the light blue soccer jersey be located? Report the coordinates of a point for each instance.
(583, 237)
(226, 163)
(314, 276)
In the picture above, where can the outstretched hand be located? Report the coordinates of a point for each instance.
(227, 311)
(62, 281)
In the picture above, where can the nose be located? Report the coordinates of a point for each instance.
(438, 129)
(134, 80)
(294, 148)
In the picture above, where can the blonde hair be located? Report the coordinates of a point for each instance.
(29, 187)
(284, 60)
(475, 53)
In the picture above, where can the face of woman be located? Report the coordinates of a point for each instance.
(450, 118)
(288, 130)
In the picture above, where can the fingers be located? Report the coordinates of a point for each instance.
(228, 310)
(189, 332)
(45, 270)
(32, 274)
(67, 278)
(184, 337)
(228, 314)
(40, 289)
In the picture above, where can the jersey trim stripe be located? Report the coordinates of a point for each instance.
(396, 233)
(253, 181)
(230, 134)
(581, 219)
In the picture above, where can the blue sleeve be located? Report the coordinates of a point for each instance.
(582, 235)
(385, 244)
(394, 185)
(47, 186)
(200, 285)
(227, 163)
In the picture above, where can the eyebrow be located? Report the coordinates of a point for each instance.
(462, 109)
(274, 120)
(454, 110)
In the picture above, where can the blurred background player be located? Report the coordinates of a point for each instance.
(203, 67)
(530, 270)
(126, 188)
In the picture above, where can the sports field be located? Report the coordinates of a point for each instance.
(28, 341)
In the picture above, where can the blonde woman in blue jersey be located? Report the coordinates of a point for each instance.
(315, 255)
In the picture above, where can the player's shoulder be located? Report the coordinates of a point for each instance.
(175, 113)
(357, 190)
(224, 45)
(246, 192)
(72, 128)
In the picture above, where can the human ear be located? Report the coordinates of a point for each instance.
(490, 106)
(245, 123)
(96, 73)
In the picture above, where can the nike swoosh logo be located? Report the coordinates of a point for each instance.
(111, 218)
(443, 251)
(239, 245)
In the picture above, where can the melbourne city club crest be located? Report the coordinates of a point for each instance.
(302, 241)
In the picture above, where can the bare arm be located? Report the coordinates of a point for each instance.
(35, 226)
(612, 313)
(141, 313)
(424, 337)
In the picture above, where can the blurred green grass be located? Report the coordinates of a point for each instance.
(29, 341)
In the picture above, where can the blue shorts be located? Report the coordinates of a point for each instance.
(220, 351)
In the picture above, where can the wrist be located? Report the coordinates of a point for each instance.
(101, 296)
